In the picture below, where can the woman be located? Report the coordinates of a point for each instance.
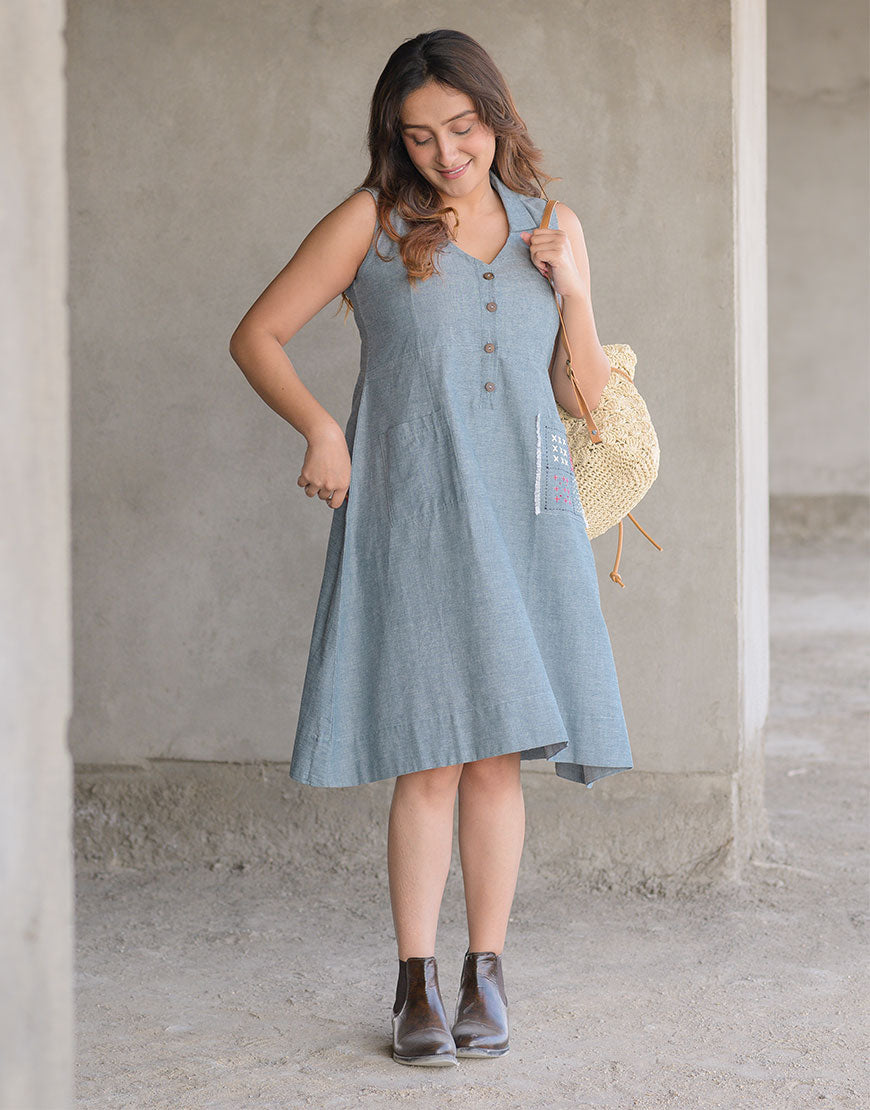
(458, 628)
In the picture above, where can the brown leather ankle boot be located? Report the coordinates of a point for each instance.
(421, 1032)
(481, 1024)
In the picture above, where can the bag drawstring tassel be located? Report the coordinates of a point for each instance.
(614, 574)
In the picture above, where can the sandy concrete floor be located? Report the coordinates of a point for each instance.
(255, 987)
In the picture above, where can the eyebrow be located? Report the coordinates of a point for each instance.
(423, 126)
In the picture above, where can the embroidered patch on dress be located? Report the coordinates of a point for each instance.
(554, 470)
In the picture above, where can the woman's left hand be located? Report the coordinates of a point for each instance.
(552, 254)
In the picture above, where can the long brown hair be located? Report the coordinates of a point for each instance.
(458, 61)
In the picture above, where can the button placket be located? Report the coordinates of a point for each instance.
(489, 347)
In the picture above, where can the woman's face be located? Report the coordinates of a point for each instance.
(441, 131)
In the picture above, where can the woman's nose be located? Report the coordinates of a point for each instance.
(447, 152)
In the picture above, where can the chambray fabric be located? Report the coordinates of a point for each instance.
(459, 615)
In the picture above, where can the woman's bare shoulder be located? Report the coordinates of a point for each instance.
(345, 233)
(332, 251)
(324, 265)
(360, 205)
(567, 217)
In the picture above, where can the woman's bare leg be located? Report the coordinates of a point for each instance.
(492, 826)
(419, 847)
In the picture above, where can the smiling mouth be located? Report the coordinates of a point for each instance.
(455, 171)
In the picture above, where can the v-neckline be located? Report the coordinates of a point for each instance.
(499, 186)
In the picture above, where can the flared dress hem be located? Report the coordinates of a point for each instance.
(357, 767)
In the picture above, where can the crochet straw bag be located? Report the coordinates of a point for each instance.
(614, 449)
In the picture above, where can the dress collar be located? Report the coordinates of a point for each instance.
(511, 201)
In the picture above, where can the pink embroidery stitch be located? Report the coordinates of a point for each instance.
(562, 492)
(562, 489)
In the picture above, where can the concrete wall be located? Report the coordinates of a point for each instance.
(35, 694)
(819, 208)
(230, 130)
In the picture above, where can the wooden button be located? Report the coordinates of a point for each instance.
(489, 347)
(491, 307)
(489, 386)
(488, 275)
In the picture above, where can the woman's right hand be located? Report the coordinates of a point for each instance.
(326, 467)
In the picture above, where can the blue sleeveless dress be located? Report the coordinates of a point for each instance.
(459, 615)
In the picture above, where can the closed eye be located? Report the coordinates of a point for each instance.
(465, 132)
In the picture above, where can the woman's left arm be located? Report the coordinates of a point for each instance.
(560, 253)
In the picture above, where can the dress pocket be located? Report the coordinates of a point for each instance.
(555, 484)
(420, 468)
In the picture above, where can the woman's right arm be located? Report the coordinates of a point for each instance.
(323, 266)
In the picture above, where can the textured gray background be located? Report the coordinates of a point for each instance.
(205, 141)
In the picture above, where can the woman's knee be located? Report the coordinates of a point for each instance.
(498, 772)
(432, 785)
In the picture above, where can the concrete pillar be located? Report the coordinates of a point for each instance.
(749, 50)
(35, 696)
